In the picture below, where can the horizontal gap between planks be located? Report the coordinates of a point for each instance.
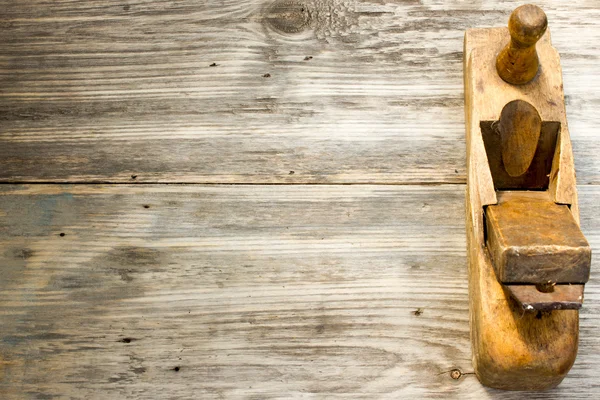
(133, 182)
(150, 183)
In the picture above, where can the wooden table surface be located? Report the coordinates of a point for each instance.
(254, 199)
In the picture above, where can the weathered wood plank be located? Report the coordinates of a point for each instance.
(247, 292)
(103, 90)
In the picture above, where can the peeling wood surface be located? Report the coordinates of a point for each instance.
(247, 292)
(356, 91)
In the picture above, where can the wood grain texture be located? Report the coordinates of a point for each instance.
(539, 172)
(519, 127)
(247, 292)
(103, 90)
(531, 239)
(251, 291)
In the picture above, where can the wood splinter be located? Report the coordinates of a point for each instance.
(528, 259)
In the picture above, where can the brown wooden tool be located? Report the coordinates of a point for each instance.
(528, 259)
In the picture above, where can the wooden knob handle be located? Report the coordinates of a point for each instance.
(520, 126)
(518, 62)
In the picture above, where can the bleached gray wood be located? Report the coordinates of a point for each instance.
(106, 90)
(251, 291)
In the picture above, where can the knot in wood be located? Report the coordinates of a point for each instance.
(288, 16)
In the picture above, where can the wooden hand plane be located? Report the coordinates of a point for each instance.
(528, 259)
